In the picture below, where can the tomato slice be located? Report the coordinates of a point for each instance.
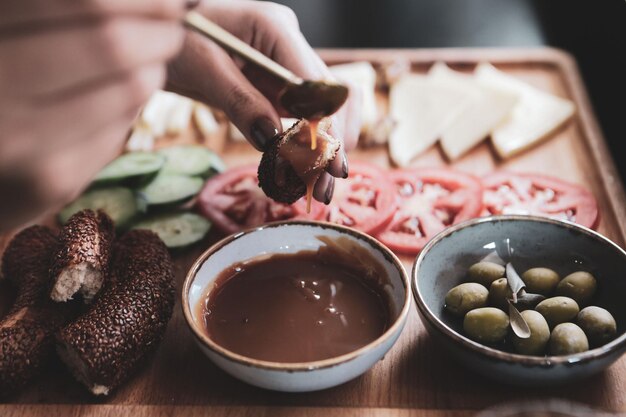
(519, 193)
(429, 200)
(233, 201)
(364, 201)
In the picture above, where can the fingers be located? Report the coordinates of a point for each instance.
(75, 117)
(46, 184)
(273, 29)
(217, 81)
(324, 188)
(68, 171)
(50, 61)
(19, 13)
(339, 167)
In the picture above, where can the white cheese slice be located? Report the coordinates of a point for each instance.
(485, 108)
(361, 75)
(235, 134)
(157, 110)
(204, 119)
(179, 117)
(534, 116)
(422, 109)
(287, 122)
(140, 139)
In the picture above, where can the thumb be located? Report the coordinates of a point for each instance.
(205, 72)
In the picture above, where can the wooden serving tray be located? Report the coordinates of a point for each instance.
(416, 377)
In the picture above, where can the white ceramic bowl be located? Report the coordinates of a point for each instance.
(291, 237)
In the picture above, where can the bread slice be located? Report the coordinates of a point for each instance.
(82, 261)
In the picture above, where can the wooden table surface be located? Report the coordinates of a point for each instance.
(416, 378)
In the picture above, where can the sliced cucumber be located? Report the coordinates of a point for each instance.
(176, 229)
(191, 160)
(132, 169)
(167, 191)
(118, 202)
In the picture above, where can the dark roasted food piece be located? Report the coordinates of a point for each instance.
(82, 261)
(27, 332)
(127, 320)
(289, 165)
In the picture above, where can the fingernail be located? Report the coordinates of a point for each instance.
(344, 165)
(191, 4)
(262, 132)
(329, 191)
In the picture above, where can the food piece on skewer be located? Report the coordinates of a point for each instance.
(289, 168)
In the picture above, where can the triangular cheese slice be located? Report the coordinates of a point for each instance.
(157, 111)
(204, 119)
(362, 75)
(534, 116)
(421, 109)
(486, 108)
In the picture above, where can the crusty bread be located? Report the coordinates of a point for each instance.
(82, 262)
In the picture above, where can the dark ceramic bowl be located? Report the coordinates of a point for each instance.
(536, 241)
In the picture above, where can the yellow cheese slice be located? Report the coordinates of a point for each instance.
(485, 108)
(421, 109)
(535, 115)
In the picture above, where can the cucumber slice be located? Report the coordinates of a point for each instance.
(132, 169)
(167, 191)
(176, 229)
(191, 160)
(118, 202)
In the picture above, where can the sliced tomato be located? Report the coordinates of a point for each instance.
(234, 201)
(517, 193)
(364, 201)
(429, 200)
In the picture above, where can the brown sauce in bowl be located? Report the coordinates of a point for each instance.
(301, 307)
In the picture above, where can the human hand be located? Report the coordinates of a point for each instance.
(248, 96)
(73, 76)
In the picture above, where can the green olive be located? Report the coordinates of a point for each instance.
(466, 297)
(540, 280)
(499, 292)
(568, 338)
(485, 272)
(598, 324)
(580, 286)
(486, 325)
(558, 310)
(539, 335)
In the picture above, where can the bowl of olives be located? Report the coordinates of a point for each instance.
(523, 299)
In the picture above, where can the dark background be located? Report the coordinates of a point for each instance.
(593, 31)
